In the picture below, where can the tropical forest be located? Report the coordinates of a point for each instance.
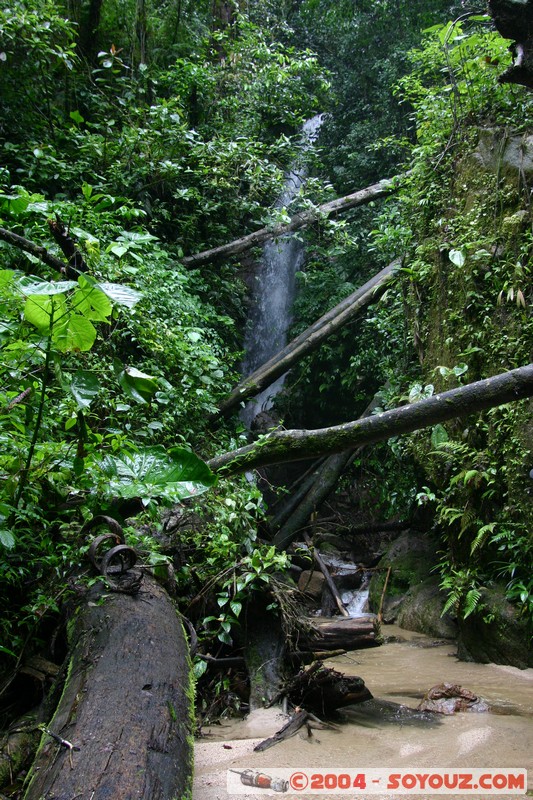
(266, 381)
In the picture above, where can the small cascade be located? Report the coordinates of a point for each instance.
(274, 290)
(356, 602)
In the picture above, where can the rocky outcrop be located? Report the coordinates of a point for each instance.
(413, 599)
(495, 633)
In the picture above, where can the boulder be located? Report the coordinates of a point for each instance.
(421, 611)
(495, 633)
(312, 583)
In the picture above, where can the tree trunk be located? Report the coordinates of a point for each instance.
(126, 708)
(300, 220)
(325, 479)
(310, 339)
(35, 249)
(349, 633)
(264, 650)
(294, 445)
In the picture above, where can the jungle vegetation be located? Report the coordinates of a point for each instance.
(148, 131)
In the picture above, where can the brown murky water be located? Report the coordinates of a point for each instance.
(375, 735)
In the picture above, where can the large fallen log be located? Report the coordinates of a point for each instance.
(124, 724)
(325, 480)
(348, 633)
(300, 220)
(311, 338)
(294, 445)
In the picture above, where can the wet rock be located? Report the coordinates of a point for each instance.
(421, 611)
(312, 583)
(495, 633)
(449, 698)
(509, 155)
(412, 599)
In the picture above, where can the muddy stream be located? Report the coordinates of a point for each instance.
(376, 733)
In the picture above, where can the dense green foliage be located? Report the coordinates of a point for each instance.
(172, 133)
(146, 141)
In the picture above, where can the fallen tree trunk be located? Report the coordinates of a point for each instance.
(323, 690)
(325, 480)
(310, 339)
(34, 249)
(347, 633)
(331, 209)
(294, 445)
(124, 723)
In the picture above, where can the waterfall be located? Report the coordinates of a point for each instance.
(356, 602)
(272, 294)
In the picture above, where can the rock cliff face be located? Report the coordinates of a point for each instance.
(470, 315)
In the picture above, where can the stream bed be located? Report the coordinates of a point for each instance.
(377, 733)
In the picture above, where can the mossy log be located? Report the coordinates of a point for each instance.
(126, 707)
(300, 220)
(294, 445)
(308, 341)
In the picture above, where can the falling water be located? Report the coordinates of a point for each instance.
(273, 293)
(356, 602)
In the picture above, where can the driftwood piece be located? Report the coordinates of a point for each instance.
(308, 341)
(123, 725)
(448, 698)
(300, 220)
(323, 690)
(295, 723)
(292, 727)
(326, 573)
(348, 633)
(294, 445)
(310, 656)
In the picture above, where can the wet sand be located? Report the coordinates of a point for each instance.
(375, 735)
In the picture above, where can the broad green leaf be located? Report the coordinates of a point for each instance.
(439, 436)
(74, 333)
(77, 117)
(32, 285)
(119, 250)
(91, 302)
(199, 667)
(457, 257)
(121, 295)
(155, 472)
(136, 384)
(138, 238)
(40, 310)
(7, 539)
(84, 387)
(6, 277)
(236, 607)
